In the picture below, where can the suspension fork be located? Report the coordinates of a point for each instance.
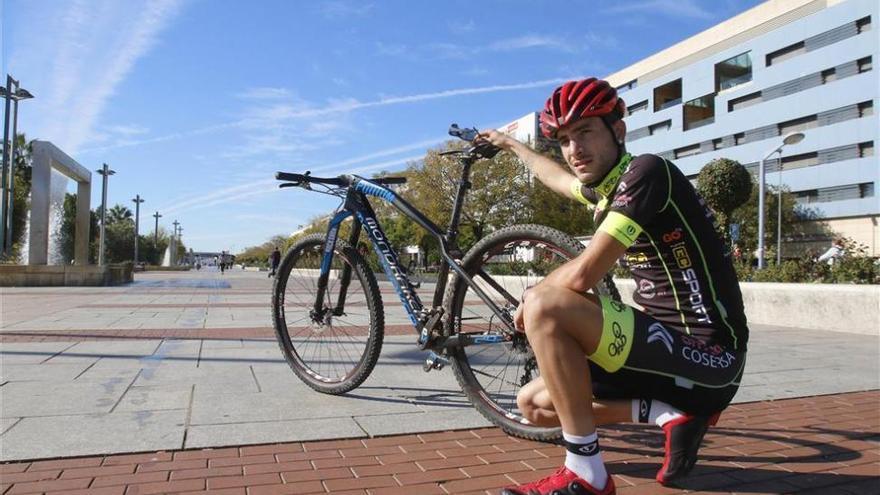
(353, 237)
(327, 259)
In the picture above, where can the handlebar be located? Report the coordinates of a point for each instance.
(341, 181)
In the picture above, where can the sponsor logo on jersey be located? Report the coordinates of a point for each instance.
(673, 236)
(619, 344)
(646, 289)
(706, 359)
(696, 296)
(622, 201)
(682, 258)
(659, 333)
(637, 260)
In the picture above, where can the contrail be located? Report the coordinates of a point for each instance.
(344, 107)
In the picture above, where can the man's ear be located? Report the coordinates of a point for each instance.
(619, 131)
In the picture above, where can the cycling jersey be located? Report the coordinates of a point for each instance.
(684, 276)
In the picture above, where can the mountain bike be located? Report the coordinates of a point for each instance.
(328, 312)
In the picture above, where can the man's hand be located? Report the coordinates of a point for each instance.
(498, 139)
(518, 318)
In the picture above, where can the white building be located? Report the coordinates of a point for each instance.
(735, 89)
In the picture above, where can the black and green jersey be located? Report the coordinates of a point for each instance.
(684, 275)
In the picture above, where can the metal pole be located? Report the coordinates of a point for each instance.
(156, 232)
(779, 214)
(7, 246)
(174, 243)
(137, 220)
(5, 212)
(761, 214)
(105, 174)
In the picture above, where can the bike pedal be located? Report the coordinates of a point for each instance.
(434, 362)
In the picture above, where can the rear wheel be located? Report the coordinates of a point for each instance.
(332, 350)
(504, 265)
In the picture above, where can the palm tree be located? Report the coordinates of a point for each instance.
(119, 213)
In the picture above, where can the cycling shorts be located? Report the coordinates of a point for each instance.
(640, 357)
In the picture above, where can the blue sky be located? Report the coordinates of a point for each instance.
(196, 103)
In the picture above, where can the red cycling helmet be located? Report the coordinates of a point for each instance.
(576, 100)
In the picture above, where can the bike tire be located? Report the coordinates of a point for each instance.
(500, 407)
(292, 300)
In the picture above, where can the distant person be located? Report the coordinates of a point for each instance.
(835, 252)
(737, 253)
(274, 261)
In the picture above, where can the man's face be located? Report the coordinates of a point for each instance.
(589, 148)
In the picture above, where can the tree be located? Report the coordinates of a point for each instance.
(725, 185)
(794, 220)
(119, 213)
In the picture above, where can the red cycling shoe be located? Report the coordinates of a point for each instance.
(683, 438)
(562, 482)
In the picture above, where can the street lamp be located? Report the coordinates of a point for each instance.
(8, 175)
(105, 172)
(792, 138)
(137, 223)
(157, 216)
(174, 243)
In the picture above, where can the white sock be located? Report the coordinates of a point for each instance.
(582, 457)
(653, 411)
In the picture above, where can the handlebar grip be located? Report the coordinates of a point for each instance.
(288, 176)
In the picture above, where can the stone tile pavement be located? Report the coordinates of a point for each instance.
(816, 445)
(188, 361)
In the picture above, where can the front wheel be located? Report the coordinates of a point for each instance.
(333, 348)
(504, 264)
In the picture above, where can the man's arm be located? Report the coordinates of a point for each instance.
(552, 174)
(587, 269)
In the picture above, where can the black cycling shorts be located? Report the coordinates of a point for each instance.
(640, 358)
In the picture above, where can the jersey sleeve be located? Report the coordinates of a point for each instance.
(583, 193)
(644, 190)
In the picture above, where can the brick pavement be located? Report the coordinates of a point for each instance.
(816, 445)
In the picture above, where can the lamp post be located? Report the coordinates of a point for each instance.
(157, 216)
(174, 243)
(793, 138)
(8, 175)
(105, 173)
(137, 224)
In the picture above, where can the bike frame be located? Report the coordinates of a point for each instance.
(357, 204)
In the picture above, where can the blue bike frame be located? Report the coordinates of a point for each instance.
(357, 204)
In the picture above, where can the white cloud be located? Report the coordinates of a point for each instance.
(98, 45)
(531, 41)
(282, 112)
(669, 8)
(264, 93)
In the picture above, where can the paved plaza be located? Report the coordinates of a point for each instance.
(183, 369)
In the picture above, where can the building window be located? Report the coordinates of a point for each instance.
(786, 53)
(863, 24)
(828, 76)
(866, 149)
(798, 125)
(866, 109)
(660, 127)
(864, 64)
(699, 112)
(717, 144)
(744, 101)
(800, 161)
(810, 196)
(623, 88)
(687, 151)
(667, 95)
(866, 190)
(638, 107)
(739, 138)
(733, 72)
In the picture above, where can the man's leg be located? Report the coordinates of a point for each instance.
(562, 327)
(535, 404)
